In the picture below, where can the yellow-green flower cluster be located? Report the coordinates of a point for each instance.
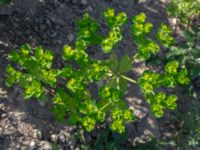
(150, 81)
(34, 89)
(80, 56)
(110, 94)
(87, 28)
(119, 118)
(113, 38)
(13, 77)
(160, 102)
(164, 37)
(139, 30)
(174, 76)
(115, 22)
(88, 123)
(139, 27)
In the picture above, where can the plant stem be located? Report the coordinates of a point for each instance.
(128, 79)
(134, 57)
(106, 105)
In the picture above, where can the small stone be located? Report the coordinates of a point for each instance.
(42, 27)
(145, 1)
(70, 37)
(62, 138)
(21, 116)
(18, 146)
(56, 18)
(32, 145)
(54, 138)
(47, 146)
(52, 35)
(1, 132)
(59, 42)
(89, 9)
(37, 134)
(84, 2)
(74, 1)
(3, 115)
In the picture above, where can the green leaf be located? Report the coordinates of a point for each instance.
(123, 84)
(13, 56)
(113, 65)
(125, 64)
(25, 49)
(10, 81)
(188, 35)
(5, 1)
(59, 111)
(195, 71)
(73, 118)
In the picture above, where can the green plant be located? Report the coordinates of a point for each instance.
(5, 1)
(72, 98)
(184, 9)
(188, 54)
(187, 136)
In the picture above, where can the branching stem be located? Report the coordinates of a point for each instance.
(106, 105)
(128, 79)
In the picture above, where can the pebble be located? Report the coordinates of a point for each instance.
(84, 2)
(70, 37)
(37, 134)
(89, 9)
(46, 146)
(54, 138)
(33, 145)
(21, 116)
(3, 115)
(18, 146)
(42, 27)
(1, 132)
(62, 138)
(74, 1)
(52, 35)
(145, 1)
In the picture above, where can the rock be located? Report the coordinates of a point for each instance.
(46, 146)
(62, 138)
(18, 146)
(32, 145)
(3, 115)
(70, 37)
(145, 1)
(88, 9)
(74, 1)
(26, 5)
(42, 27)
(1, 132)
(84, 2)
(54, 138)
(56, 18)
(8, 10)
(37, 134)
(21, 116)
(52, 34)
(59, 41)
